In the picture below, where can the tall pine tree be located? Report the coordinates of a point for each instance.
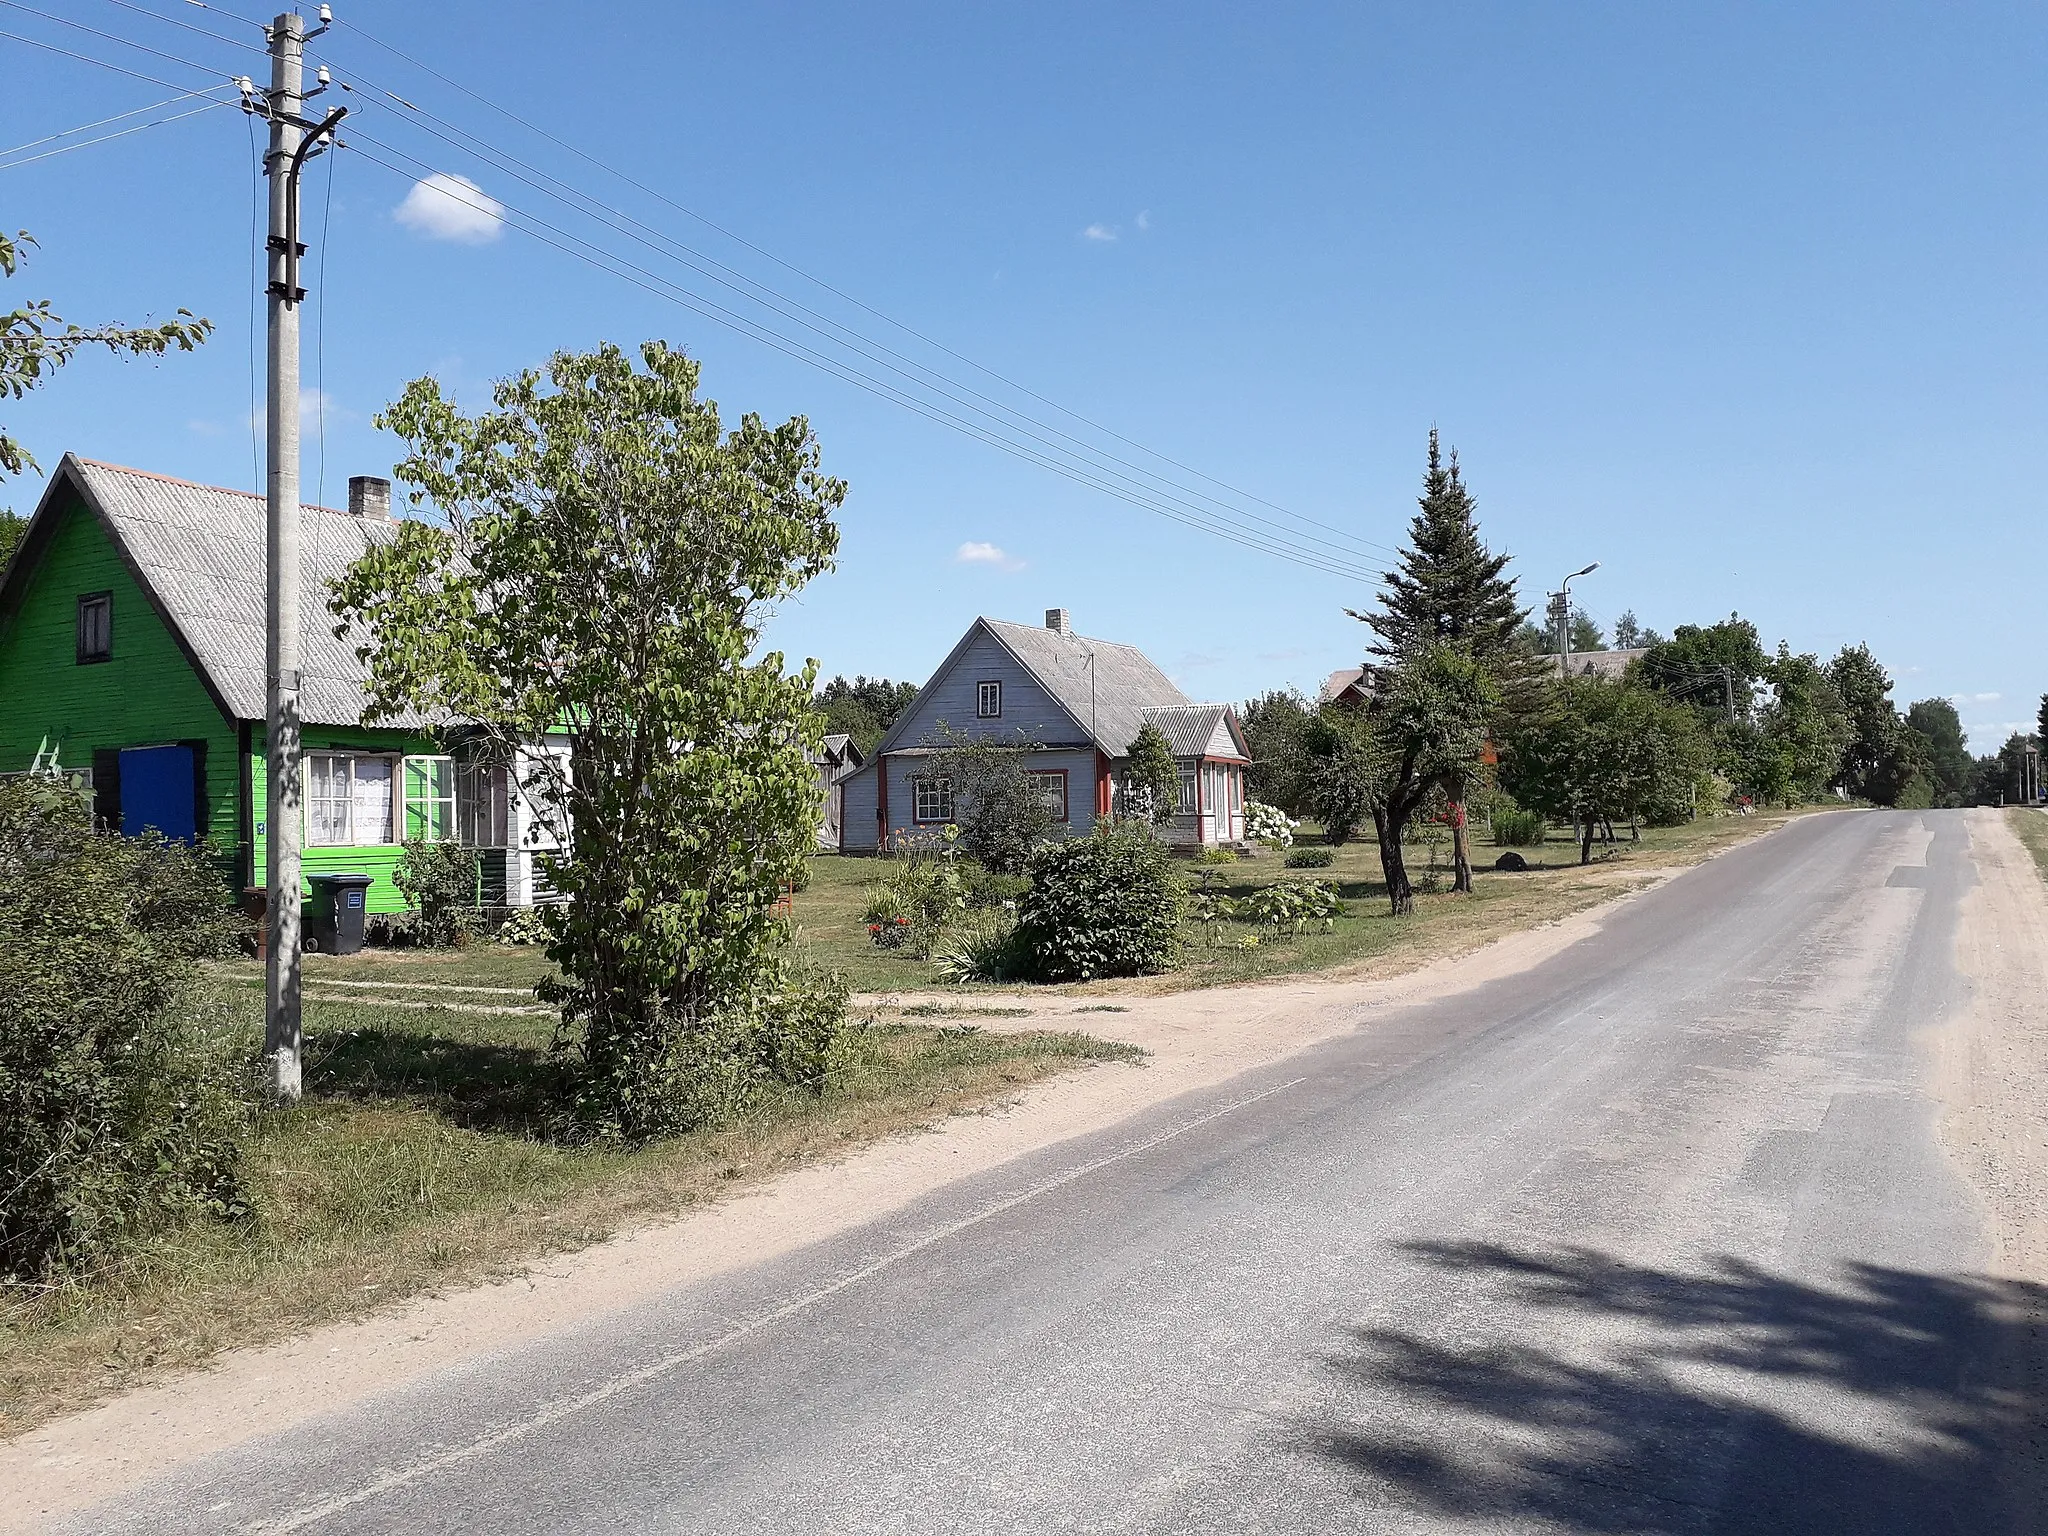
(1450, 590)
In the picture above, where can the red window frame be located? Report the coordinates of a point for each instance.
(1066, 801)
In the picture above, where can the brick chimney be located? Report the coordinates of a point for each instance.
(1059, 621)
(369, 498)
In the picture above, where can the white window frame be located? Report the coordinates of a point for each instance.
(988, 700)
(939, 790)
(1187, 801)
(355, 838)
(407, 799)
(483, 803)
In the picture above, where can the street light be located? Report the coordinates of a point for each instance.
(1563, 612)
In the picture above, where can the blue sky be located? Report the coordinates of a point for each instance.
(1743, 301)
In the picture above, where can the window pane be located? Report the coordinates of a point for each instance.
(327, 800)
(370, 804)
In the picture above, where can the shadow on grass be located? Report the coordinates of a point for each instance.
(1732, 1400)
(478, 1084)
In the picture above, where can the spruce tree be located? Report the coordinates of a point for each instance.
(1449, 590)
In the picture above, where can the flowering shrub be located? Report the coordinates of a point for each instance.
(913, 905)
(1268, 824)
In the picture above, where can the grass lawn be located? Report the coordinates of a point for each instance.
(1555, 885)
(417, 1161)
(2032, 827)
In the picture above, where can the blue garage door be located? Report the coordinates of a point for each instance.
(157, 790)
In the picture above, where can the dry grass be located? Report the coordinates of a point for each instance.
(2032, 828)
(415, 1164)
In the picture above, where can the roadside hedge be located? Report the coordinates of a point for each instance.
(119, 1101)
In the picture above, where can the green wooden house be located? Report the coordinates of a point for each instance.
(132, 654)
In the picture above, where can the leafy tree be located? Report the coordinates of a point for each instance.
(1151, 777)
(1609, 751)
(1002, 817)
(1585, 634)
(1340, 776)
(12, 528)
(2042, 718)
(1998, 779)
(1946, 748)
(1450, 590)
(1800, 734)
(1715, 667)
(1275, 724)
(35, 342)
(608, 555)
(1881, 756)
(865, 708)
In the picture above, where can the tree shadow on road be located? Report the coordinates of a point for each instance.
(1601, 1396)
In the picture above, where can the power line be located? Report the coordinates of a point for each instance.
(52, 138)
(836, 292)
(172, 21)
(917, 373)
(112, 37)
(86, 58)
(119, 134)
(1227, 515)
(618, 266)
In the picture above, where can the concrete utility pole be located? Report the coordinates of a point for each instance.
(284, 767)
(1561, 605)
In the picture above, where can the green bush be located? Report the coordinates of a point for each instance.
(1514, 828)
(120, 1102)
(439, 881)
(1291, 903)
(983, 948)
(1108, 904)
(1311, 858)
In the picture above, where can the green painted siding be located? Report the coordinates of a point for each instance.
(376, 860)
(146, 695)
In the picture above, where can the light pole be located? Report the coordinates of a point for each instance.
(1564, 621)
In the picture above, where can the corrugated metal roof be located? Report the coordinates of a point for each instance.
(1113, 703)
(1189, 729)
(201, 550)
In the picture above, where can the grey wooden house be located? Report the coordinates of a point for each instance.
(1076, 704)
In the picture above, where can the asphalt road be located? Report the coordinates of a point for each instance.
(1655, 1237)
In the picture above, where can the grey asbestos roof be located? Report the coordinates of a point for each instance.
(1189, 728)
(200, 550)
(1608, 664)
(1125, 683)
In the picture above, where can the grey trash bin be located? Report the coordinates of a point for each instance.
(334, 917)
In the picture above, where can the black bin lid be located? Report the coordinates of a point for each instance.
(340, 879)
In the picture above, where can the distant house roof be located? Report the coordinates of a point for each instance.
(839, 756)
(1607, 664)
(198, 552)
(1345, 682)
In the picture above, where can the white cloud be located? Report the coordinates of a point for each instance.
(977, 553)
(1978, 698)
(1099, 232)
(445, 207)
(1144, 220)
(311, 416)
